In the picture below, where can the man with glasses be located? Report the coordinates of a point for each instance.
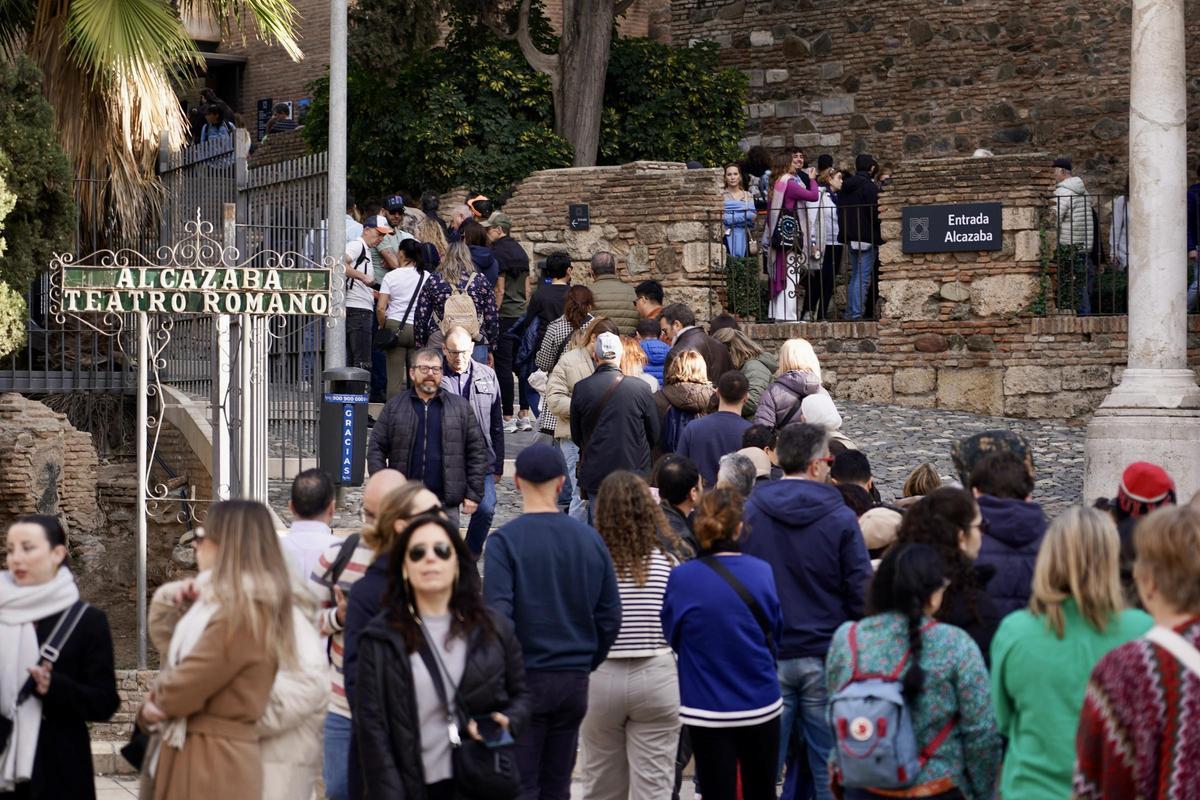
(477, 383)
(338, 569)
(432, 436)
(803, 529)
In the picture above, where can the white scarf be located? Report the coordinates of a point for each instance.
(20, 608)
(187, 633)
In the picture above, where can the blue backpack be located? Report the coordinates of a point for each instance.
(876, 747)
(672, 428)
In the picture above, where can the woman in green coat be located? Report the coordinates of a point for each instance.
(757, 365)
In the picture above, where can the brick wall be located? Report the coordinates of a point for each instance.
(907, 78)
(956, 330)
(661, 220)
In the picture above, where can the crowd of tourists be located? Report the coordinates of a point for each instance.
(695, 577)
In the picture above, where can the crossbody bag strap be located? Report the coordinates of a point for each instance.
(1177, 646)
(596, 414)
(413, 299)
(52, 647)
(790, 414)
(434, 665)
(760, 616)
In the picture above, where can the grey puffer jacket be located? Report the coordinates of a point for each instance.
(464, 450)
(782, 395)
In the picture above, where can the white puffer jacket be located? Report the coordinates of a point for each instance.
(292, 725)
(1073, 208)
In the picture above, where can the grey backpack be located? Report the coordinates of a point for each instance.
(875, 747)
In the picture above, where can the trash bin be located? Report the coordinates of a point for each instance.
(343, 424)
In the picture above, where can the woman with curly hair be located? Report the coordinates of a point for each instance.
(631, 731)
(949, 520)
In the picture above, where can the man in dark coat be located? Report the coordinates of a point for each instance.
(858, 221)
(801, 527)
(1013, 528)
(613, 421)
(678, 481)
(678, 325)
(432, 436)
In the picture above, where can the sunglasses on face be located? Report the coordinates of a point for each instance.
(442, 550)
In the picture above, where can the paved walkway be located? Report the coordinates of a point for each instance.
(895, 438)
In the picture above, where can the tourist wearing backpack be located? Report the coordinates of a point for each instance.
(456, 296)
(686, 394)
(910, 708)
(798, 376)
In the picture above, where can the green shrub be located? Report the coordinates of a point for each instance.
(743, 288)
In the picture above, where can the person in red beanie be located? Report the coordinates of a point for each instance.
(1144, 487)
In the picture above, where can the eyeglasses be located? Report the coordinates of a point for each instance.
(826, 459)
(450, 352)
(425, 369)
(442, 550)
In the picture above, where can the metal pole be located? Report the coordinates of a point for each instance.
(335, 235)
(143, 468)
(221, 367)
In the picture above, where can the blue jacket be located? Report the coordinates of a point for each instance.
(553, 577)
(812, 541)
(1015, 531)
(727, 674)
(485, 263)
(656, 357)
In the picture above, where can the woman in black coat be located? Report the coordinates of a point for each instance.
(36, 591)
(434, 604)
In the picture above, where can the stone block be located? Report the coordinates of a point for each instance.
(890, 229)
(1019, 219)
(685, 231)
(931, 343)
(891, 252)
(909, 299)
(806, 140)
(1032, 380)
(637, 262)
(788, 108)
(980, 391)
(666, 260)
(756, 78)
(830, 140)
(980, 343)
(914, 380)
(1003, 295)
(773, 142)
(837, 104)
(1060, 405)
(916, 400)
(702, 301)
(777, 75)
(831, 70)
(702, 257)
(1029, 246)
(870, 389)
(732, 11)
(761, 38)
(1090, 376)
(651, 232)
(955, 292)
(795, 48)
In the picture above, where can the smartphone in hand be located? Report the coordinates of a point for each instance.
(492, 733)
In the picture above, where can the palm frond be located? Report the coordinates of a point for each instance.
(274, 20)
(106, 37)
(16, 20)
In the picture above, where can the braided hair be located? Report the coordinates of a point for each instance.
(907, 578)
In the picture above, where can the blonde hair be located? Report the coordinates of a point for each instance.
(1080, 558)
(633, 357)
(429, 231)
(1167, 542)
(250, 578)
(687, 367)
(398, 506)
(741, 347)
(921, 481)
(457, 264)
(798, 355)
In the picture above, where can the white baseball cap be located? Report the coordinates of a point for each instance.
(608, 346)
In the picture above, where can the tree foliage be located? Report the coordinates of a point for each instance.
(37, 171)
(472, 112)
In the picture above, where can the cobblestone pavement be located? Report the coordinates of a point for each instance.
(895, 438)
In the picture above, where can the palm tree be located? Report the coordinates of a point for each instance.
(110, 68)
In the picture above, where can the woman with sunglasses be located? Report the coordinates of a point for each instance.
(433, 615)
(945, 683)
(410, 500)
(949, 520)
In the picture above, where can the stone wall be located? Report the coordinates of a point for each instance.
(958, 330)
(909, 79)
(661, 220)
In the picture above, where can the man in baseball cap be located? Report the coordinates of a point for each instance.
(551, 575)
(379, 223)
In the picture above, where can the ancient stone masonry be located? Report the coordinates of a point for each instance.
(661, 220)
(908, 79)
(962, 330)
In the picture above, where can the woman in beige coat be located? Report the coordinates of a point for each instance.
(221, 662)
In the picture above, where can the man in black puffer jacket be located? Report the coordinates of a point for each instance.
(433, 437)
(1013, 527)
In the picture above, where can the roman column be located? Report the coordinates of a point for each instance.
(1154, 414)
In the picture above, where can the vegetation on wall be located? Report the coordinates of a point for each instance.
(472, 112)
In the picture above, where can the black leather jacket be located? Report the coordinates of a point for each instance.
(386, 725)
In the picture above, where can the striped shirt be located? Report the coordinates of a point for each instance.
(641, 633)
(356, 567)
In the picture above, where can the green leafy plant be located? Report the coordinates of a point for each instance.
(12, 305)
(744, 291)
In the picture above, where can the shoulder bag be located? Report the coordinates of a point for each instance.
(386, 338)
(595, 417)
(479, 771)
(1176, 645)
(51, 649)
(760, 616)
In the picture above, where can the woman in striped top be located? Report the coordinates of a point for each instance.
(631, 730)
(729, 691)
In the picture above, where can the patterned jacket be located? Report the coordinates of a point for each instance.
(432, 304)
